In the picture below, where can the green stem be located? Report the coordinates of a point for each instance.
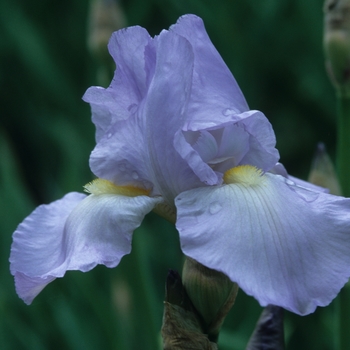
(343, 143)
(343, 170)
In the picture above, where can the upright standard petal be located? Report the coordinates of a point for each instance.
(183, 103)
(74, 234)
(281, 243)
(152, 160)
(121, 156)
(212, 151)
(164, 112)
(119, 101)
(219, 131)
(215, 95)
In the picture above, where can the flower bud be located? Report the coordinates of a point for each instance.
(337, 43)
(322, 171)
(212, 294)
(106, 16)
(181, 329)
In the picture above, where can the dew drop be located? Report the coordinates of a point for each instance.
(227, 112)
(109, 135)
(167, 67)
(289, 182)
(135, 175)
(215, 207)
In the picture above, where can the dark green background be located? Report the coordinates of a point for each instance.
(274, 49)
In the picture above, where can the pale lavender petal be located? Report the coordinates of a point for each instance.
(205, 145)
(120, 100)
(99, 230)
(37, 245)
(234, 146)
(211, 152)
(251, 141)
(28, 288)
(164, 112)
(279, 169)
(262, 152)
(140, 149)
(215, 93)
(174, 85)
(307, 185)
(74, 233)
(282, 244)
(121, 156)
(194, 160)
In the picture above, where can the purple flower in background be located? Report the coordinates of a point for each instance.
(175, 135)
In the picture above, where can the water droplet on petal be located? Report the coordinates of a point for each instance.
(109, 135)
(135, 175)
(227, 112)
(167, 67)
(289, 182)
(215, 207)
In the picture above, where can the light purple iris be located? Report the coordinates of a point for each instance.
(175, 135)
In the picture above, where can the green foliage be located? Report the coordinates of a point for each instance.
(274, 49)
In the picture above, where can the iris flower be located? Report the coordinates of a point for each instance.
(174, 134)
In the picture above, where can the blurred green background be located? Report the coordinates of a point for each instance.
(274, 49)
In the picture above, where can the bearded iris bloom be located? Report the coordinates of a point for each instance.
(174, 134)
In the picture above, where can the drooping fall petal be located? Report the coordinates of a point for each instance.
(283, 244)
(73, 233)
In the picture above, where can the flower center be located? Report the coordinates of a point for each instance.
(247, 175)
(165, 211)
(101, 186)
